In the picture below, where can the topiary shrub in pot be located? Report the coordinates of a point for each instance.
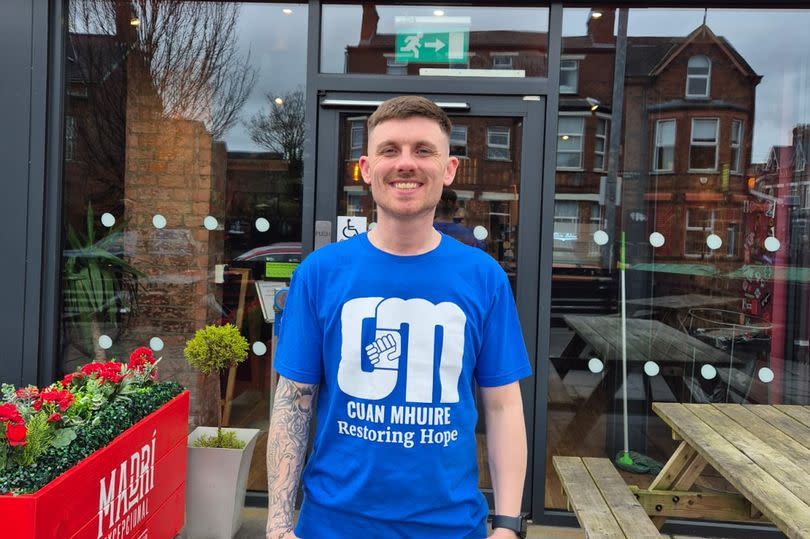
(218, 459)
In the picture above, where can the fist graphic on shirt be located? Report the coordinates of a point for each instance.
(385, 349)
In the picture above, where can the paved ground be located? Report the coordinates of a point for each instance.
(254, 519)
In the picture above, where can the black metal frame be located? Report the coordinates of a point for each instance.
(32, 51)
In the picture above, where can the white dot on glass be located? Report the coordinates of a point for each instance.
(210, 223)
(772, 244)
(600, 237)
(262, 224)
(259, 348)
(766, 375)
(708, 372)
(595, 365)
(108, 220)
(159, 221)
(156, 344)
(480, 233)
(657, 239)
(105, 342)
(651, 368)
(714, 241)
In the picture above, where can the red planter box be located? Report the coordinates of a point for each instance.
(132, 488)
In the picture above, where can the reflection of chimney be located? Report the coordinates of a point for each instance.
(600, 25)
(368, 29)
(125, 32)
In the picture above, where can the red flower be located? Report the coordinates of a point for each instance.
(62, 397)
(38, 405)
(54, 417)
(29, 392)
(140, 358)
(9, 412)
(105, 371)
(70, 377)
(16, 433)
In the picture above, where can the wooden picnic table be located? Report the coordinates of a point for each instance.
(762, 450)
(682, 301)
(647, 340)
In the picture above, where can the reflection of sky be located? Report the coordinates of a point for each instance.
(278, 49)
(783, 95)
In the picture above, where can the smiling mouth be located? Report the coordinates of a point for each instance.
(405, 186)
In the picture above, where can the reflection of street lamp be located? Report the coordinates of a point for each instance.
(135, 21)
(596, 14)
(593, 103)
(287, 11)
(278, 101)
(438, 13)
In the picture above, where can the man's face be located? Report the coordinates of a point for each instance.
(407, 166)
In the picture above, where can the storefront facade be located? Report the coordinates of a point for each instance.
(169, 163)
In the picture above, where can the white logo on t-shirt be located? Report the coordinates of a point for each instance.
(422, 318)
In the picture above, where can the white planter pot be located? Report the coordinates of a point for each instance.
(215, 485)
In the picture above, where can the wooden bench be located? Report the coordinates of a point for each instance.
(602, 502)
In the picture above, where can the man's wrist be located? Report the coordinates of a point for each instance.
(514, 524)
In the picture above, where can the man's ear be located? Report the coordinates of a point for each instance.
(450, 170)
(364, 169)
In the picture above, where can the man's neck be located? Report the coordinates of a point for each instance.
(405, 238)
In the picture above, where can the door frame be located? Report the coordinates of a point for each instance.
(532, 112)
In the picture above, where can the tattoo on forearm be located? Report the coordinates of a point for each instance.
(286, 448)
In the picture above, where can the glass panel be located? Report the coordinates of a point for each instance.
(434, 40)
(480, 208)
(184, 167)
(717, 262)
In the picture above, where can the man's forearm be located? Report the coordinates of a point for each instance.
(286, 447)
(506, 445)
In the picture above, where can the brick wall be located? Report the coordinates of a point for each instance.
(173, 168)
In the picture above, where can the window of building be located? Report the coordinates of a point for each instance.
(566, 224)
(569, 142)
(600, 145)
(736, 145)
(70, 138)
(698, 75)
(458, 141)
(664, 158)
(699, 224)
(498, 143)
(502, 61)
(732, 231)
(703, 144)
(569, 72)
(799, 159)
(392, 67)
(358, 132)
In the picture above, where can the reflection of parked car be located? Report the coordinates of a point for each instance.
(275, 252)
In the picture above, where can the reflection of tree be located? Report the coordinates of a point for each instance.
(188, 48)
(281, 129)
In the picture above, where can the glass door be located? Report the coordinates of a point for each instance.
(493, 204)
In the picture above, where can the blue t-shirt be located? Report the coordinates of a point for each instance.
(396, 343)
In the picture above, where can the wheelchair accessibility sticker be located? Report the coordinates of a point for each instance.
(350, 226)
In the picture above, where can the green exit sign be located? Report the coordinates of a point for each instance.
(432, 47)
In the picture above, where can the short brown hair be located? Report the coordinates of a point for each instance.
(408, 106)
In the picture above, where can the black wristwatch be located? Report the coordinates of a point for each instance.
(516, 524)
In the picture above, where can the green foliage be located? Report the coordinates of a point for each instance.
(225, 439)
(114, 419)
(96, 283)
(37, 441)
(216, 348)
(63, 437)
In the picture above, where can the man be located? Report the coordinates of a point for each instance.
(445, 221)
(390, 330)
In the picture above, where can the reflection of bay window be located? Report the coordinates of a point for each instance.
(569, 142)
(600, 145)
(699, 224)
(703, 144)
(664, 157)
(698, 75)
(358, 128)
(502, 61)
(736, 145)
(569, 73)
(458, 141)
(498, 143)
